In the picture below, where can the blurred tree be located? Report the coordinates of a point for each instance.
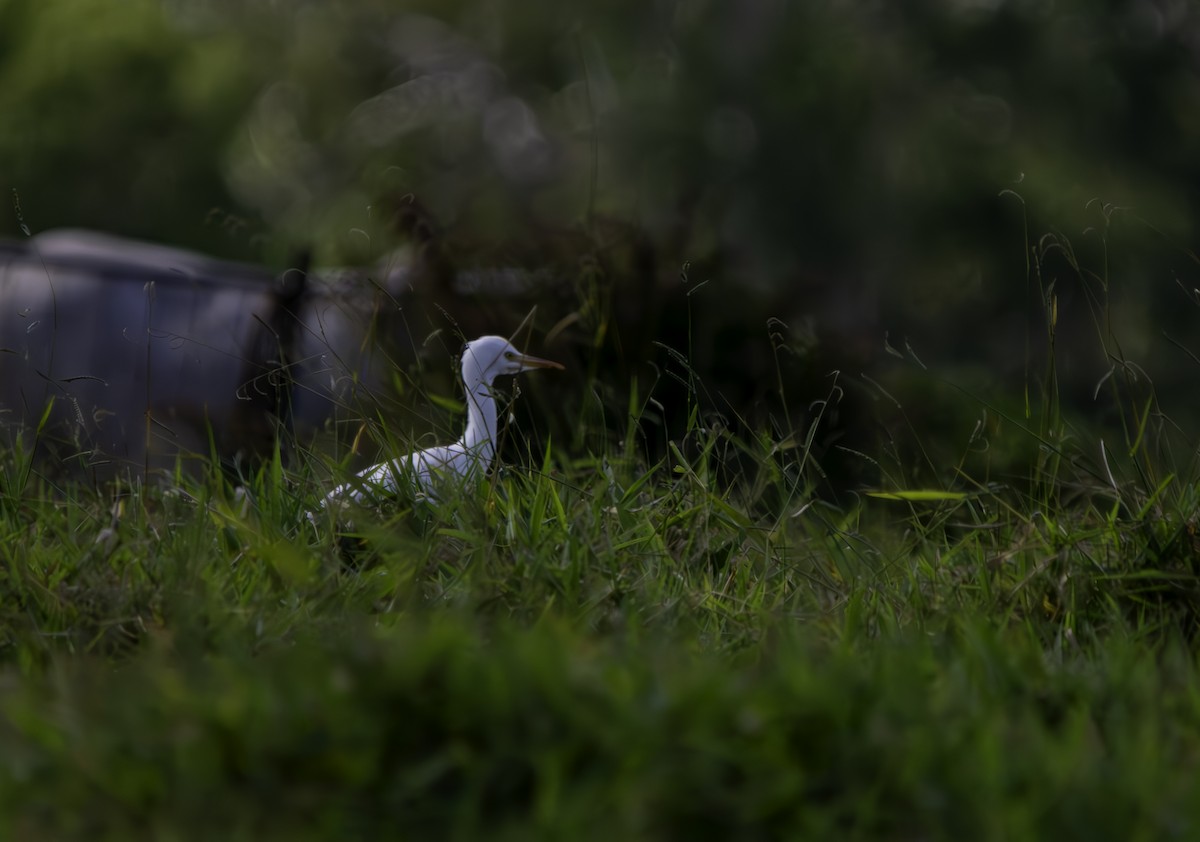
(841, 167)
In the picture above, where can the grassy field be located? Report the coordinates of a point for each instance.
(604, 650)
(609, 648)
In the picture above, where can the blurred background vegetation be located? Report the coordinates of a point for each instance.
(856, 186)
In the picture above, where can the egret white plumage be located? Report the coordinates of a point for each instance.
(483, 360)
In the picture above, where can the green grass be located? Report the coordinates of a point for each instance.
(599, 647)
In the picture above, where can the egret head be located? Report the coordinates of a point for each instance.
(492, 356)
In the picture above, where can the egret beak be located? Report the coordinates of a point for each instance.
(527, 362)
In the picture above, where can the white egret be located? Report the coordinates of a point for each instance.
(483, 360)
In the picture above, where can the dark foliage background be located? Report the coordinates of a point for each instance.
(842, 178)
